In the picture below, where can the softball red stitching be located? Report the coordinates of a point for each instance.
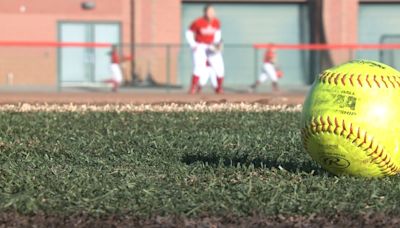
(384, 82)
(370, 145)
(367, 80)
(351, 79)
(330, 78)
(378, 155)
(343, 128)
(395, 79)
(336, 126)
(336, 79)
(359, 80)
(344, 79)
(351, 131)
(376, 81)
(390, 80)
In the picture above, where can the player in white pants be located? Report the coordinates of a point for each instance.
(204, 38)
(210, 76)
(268, 71)
(115, 68)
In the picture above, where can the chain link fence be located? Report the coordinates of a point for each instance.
(166, 66)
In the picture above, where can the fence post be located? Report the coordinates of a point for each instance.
(59, 81)
(168, 56)
(255, 64)
(351, 53)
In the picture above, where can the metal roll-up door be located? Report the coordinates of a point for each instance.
(379, 23)
(245, 24)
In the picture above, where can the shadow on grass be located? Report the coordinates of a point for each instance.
(290, 166)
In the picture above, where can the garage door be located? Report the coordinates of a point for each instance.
(246, 24)
(379, 23)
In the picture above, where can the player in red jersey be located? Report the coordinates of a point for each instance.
(269, 70)
(205, 40)
(116, 72)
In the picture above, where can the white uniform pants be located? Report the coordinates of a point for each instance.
(211, 75)
(268, 71)
(201, 55)
(116, 73)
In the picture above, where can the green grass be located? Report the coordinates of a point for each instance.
(188, 164)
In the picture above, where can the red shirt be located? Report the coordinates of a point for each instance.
(115, 57)
(204, 30)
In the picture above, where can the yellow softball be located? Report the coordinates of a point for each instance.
(350, 120)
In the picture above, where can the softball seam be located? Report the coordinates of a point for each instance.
(370, 81)
(357, 136)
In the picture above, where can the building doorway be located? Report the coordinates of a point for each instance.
(85, 64)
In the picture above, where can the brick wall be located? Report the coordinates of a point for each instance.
(157, 22)
(341, 26)
(36, 20)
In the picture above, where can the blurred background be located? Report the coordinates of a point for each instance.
(55, 45)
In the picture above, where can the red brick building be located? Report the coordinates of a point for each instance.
(159, 22)
(42, 20)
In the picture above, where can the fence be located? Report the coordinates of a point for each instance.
(390, 56)
(169, 66)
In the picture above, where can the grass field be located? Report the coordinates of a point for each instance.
(191, 164)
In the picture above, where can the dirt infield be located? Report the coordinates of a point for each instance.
(147, 98)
